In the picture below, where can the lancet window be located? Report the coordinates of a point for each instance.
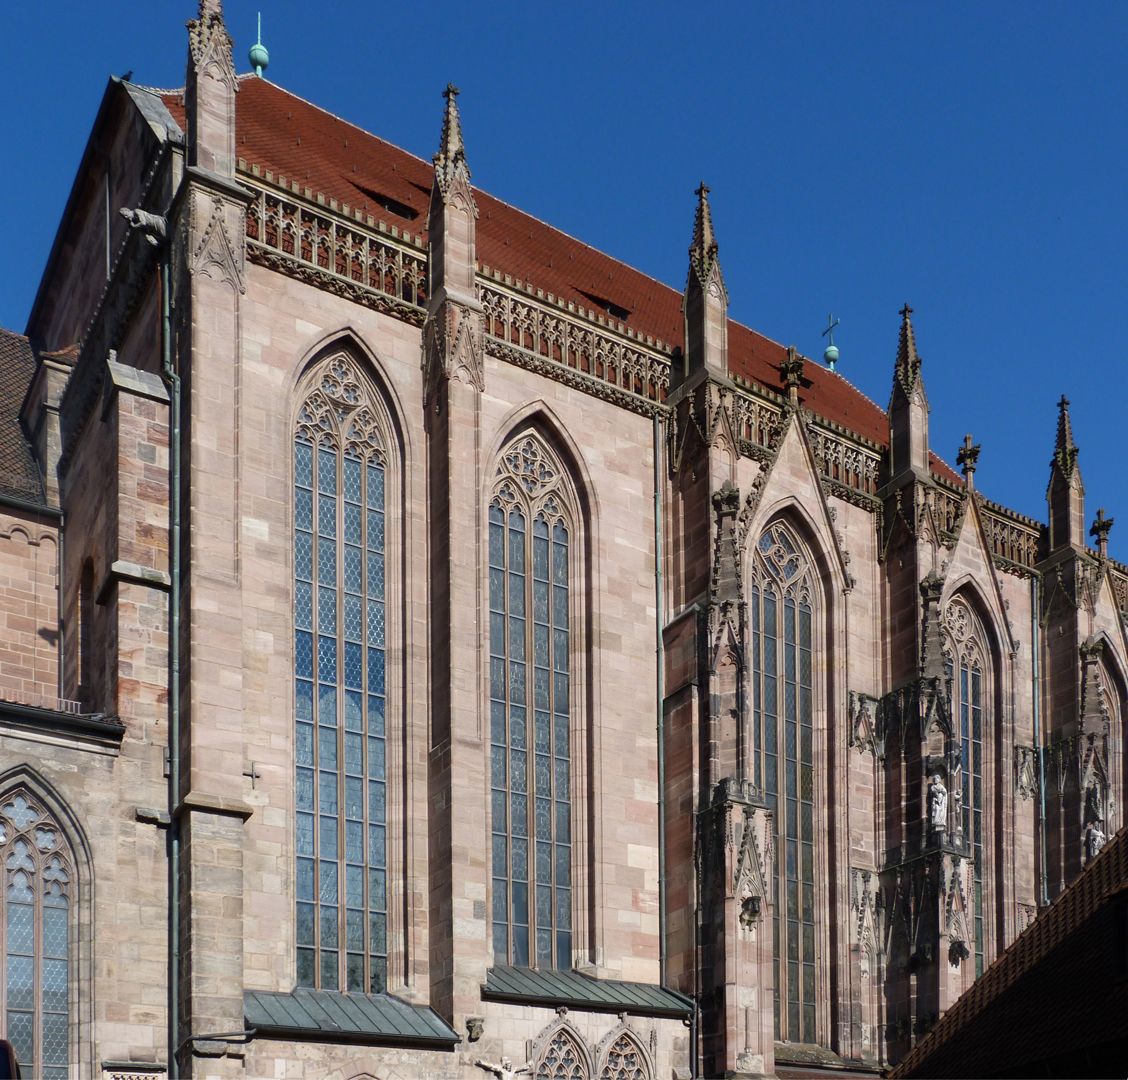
(340, 632)
(967, 670)
(38, 895)
(531, 546)
(782, 618)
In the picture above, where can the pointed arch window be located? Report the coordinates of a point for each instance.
(1114, 740)
(967, 670)
(531, 544)
(625, 1060)
(340, 463)
(782, 617)
(36, 905)
(562, 1058)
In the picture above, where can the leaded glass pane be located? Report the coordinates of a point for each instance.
(528, 596)
(34, 978)
(782, 702)
(339, 497)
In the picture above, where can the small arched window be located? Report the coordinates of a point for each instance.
(968, 670)
(340, 462)
(38, 875)
(531, 553)
(625, 1060)
(782, 617)
(561, 1057)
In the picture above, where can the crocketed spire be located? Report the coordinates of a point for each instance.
(450, 161)
(208, 30)
(703, 249)
(1065, 450)
(908, 363)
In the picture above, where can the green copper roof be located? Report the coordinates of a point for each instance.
(368, 1018)
(583, 992)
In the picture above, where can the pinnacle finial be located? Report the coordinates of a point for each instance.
(450, 161)
(1065, 449)
(968, 458)
(908, 362)
(1100, 529)
(206, 29)
(703, 248)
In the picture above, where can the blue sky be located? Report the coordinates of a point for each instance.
(970, 158)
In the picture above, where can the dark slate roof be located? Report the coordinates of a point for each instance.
(583, 992)
(1059, 993)
(330, 1016)
(19, 475)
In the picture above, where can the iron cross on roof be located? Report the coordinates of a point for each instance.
(831, 323)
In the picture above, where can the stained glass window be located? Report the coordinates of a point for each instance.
(783, 763)
(530, 749)
(966, 667)
(339, 684)
(35, 936)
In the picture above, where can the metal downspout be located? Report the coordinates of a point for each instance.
(660, 694)
(173, 381)
(1035, 665)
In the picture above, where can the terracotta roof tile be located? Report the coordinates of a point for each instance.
(19, 475)
(295, 139)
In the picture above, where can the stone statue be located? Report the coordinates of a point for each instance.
(937, 803)
(504, 1071)
(1094, 840)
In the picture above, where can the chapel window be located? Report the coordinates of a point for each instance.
(340, 531)
(966, 667)
(782, 617)
(35, 913)
(625, 1061)
(561, 1059)
(531, 539)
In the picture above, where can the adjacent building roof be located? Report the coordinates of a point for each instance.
(19, 475)
(554, 988)
(290, 137)
(1056, 1002)
(368, 1018)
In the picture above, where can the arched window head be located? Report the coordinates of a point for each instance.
(967, 668)
(531, 553)
(625, 1060)
(340, 461)
(38, 893)
(561, 1058)
(782, 615)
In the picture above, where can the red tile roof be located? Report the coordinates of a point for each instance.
(292, 138)
(19, 475)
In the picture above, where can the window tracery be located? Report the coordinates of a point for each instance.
(625, 1061)
(530, 552)
(35, 935)
(561, 1059)
(782, 616)
(967, 672)
(340, 630)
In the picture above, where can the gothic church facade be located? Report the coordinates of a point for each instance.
(434, 648)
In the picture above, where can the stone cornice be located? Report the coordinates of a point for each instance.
(89, 728)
